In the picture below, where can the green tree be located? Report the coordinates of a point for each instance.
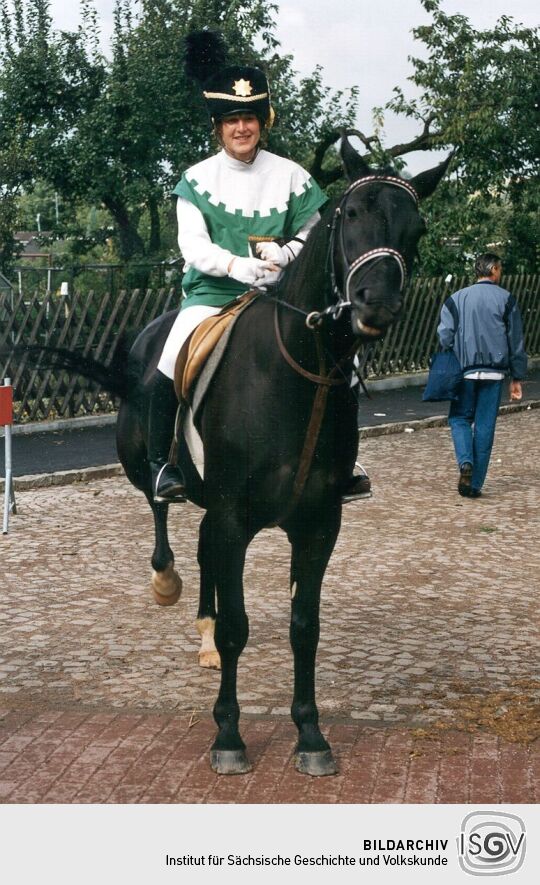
(478, 95)
(48, 80)
(12, 173)
(116, 134)
(119, 133)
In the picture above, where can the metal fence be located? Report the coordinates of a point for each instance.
(93, 323)
(97, 278)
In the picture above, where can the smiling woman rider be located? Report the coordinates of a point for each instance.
(241, 197)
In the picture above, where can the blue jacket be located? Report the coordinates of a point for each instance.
(482, 324)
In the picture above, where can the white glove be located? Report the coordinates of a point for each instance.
(278, 255)
(249, 270)
(270, 278)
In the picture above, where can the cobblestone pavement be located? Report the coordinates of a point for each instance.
(429, 639)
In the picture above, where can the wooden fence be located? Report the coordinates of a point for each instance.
(92, 323)
(410, 343)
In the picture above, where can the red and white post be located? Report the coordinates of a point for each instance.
(6, 420)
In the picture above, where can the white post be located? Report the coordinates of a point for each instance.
(64, 291)
(9, 493)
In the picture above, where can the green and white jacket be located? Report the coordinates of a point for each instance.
(223, 202)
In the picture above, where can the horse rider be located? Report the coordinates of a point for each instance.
(243, 215)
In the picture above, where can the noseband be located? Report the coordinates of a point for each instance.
(366, 258)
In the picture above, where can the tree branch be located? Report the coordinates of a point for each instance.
(426, 141)
(316, 170)
(366, 140)
(423, 142)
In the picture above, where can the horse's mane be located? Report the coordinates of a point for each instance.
(304, 270)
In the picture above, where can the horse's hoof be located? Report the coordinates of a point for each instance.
(210, 659)
(166, 586)
(318, 764)
(229, 761)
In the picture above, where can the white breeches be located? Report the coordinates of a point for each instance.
(185, 323)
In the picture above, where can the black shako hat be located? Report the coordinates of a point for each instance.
(227, 89)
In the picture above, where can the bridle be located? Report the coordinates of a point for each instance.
(364, 262)
(336, 376)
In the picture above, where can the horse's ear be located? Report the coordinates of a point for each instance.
(354, 165)
(426, 182)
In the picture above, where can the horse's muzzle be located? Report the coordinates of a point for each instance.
(372, 314)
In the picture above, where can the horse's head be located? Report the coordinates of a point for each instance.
(376, 231)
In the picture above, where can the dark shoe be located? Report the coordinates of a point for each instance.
(359, 486)
(470, 493)
(465, 480)
(168, 484)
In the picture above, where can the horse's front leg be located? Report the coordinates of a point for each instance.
(312, 543)
(222, 553)
(166, 582)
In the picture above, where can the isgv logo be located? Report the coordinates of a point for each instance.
(491, 843)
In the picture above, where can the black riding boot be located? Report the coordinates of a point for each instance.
(358, 486)
(168, 485)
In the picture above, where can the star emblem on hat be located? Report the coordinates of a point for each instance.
(242, 88)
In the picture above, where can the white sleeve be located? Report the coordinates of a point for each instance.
(196, 247)
(296, 245)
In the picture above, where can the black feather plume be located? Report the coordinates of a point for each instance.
(205, 54)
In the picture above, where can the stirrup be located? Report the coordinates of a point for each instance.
(173, 489)
(362, 489)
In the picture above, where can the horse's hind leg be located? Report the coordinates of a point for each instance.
(131, 446)
(206, 616)
(166, 582)
(222, 552)
(312, 543)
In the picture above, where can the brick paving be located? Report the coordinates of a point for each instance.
(428, 677)
(66, 757)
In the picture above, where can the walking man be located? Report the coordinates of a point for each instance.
(482, 324)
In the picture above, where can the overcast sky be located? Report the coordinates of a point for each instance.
(357, 43)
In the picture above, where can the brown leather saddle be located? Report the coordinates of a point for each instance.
(201, 343)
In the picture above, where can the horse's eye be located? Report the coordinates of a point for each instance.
(351, 213)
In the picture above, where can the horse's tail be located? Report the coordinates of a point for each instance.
(117, 377)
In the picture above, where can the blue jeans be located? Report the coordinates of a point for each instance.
(472, 420)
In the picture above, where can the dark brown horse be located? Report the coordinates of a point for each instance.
(291, 348)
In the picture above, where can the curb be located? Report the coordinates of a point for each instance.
(436, 421)
(88, 474)
(62, 424)
(63, 477)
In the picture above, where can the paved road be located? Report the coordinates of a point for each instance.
(51, 452)
(94, 446)
(427, 674)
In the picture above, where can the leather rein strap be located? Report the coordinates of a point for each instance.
(324, 381)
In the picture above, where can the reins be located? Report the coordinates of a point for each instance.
(326, 379)
(323, 378)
